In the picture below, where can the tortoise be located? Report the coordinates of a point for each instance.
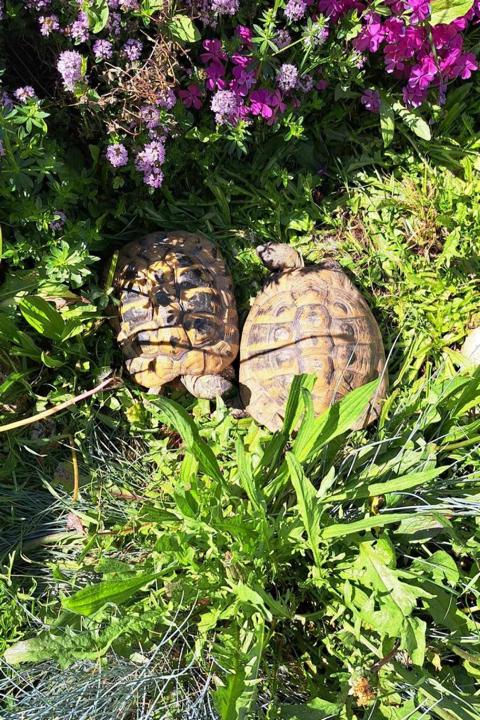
(307, 320)
(177, 313)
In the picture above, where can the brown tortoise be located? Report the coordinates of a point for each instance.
(307, 320)
(177, 313)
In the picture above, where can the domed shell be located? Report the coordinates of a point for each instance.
(176, 308)
(308, 320)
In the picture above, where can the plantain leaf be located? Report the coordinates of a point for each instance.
(42, 317)
(413, 121)
(177, 416)
(336, 531)
(308, 505)
(92, 598)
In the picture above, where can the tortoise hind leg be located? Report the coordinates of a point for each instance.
(207, 387)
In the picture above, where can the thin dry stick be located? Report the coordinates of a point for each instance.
(76, 478)
(56, 408)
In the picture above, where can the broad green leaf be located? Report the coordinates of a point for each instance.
(378, 575)
(333, 422)
(182, 28)
(308, 505)
(98, 13)
(314, 434)
(443, 12)
(178, 417)
(413, 121)
(387, 122)
(42, 317)
(247, 595)
(92, 598)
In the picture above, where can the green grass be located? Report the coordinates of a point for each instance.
(325, 574)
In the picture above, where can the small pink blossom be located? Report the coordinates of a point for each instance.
(191, 97)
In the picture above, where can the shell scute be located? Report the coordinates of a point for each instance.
(176, 306)
(308, 320)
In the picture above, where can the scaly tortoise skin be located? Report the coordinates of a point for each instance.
(177, 312)
(307, 320)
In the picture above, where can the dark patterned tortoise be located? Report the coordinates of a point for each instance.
(177, 313)
(307, 320)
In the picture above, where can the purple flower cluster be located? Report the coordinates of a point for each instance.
(132, 49)
(149, 162)
(117, 155)
(24, 94)
(48, 24)
(287, 77)
(102, 49)
(225, 7)
(69, 66)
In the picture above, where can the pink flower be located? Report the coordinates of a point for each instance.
(245, 34)
(423, 74)
(259, 103)
(372, 35)
(420, 10)
(267, 104)
(371, 100)
(214, 51)
(191, 97)
(215, 76)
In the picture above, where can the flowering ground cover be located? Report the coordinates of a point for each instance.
(188, 561)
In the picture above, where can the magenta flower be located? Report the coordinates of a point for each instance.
(371, 100)
(191, 97)
(372, 35)
(267, 104)
(423, 74)
(245, 34)
(420, 10)
(244, 78)
(215, 76)
(214, 51)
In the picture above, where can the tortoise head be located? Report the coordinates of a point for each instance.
(278, 257)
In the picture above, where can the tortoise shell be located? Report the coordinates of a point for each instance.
(309, 320)
(176, 308)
